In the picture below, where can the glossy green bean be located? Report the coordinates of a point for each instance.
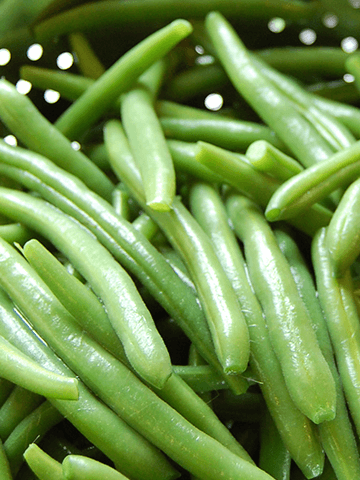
(128, 314)
(45, 467)
(341, 317)
(100, 425)
(130, 248)
(85, 111)
(88, 62)
(245, 179)
(37, 133)
(268, 159)
(202, 378)
(149, 147)
(226, 322)
(34, 426)
(15, 232)
(272, 106)
(232, 134)
(297, 194)
(4, 464)
(343, 234)
(305, 370)
(126, 394)
(21, 370)
(145, 225)
(19, 404)
(75, 296)
(178, 224)
(338, 432)
(69, 85)
(77, 467)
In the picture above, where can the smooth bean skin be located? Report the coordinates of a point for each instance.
(343, 234)
(336, 433)
(88, 62)
(341, 316)
(305, 370)
(272, 106)
(77, 467)
(99, 424)
(4, 464)
(85, 111)
(298, 193)
(21, 370)
(194, 450)
(37, 133)
(208, 209)
(45, 467)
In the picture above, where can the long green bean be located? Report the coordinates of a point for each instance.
(77, 467)
(45, 467)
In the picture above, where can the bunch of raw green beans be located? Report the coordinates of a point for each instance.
(179, 287)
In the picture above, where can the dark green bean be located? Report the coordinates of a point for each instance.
(273, 106)
(88, 62)
(305, 370)
(85, 111)
(31, 127)
(4, 464)
(5, 389)
(201, 378)
(19, 404)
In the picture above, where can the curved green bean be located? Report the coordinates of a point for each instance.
(32, 128)
(90, 416)
(21, 370)
(343, 234)
(338, 432)
(300, 192)
(305, 370)
(85, 111)
(121, 389)
(272, 106)
(337, 302)
(19, 404)
(4, 464)
(44, 467)
(78, 467)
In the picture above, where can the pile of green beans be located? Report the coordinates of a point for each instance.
(179, 281)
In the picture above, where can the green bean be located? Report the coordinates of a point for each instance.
(146, 226)
(298, 193)
(85, 111)
(5, 389)
(34, 426)
(202, 378)
(343, 233)
(167, 108)
(329, 128)
(336, 90)
(45, 467)
(149, 147)
(273, 106)
(134, 252)
(268, 159)
(69, 85)
(4, 464)
(18, 405)
(90, 18)
(121, 389)
(299, 61)
(21, 370)
(291, 423)
(128, 314)
(274, 458)
(90, 416)
(120, 203)
(245, 179)
(183, 155)
(77, 467)
(32, 128)
(76, 297)
(346, 463)
(15, 232)
(228, 133)
(173, 258)
(342, 321)
(226, 322)
(88, 62)
(305, 370)
(98, 155)
(353, 67)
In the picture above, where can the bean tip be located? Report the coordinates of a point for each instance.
(272, 214)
